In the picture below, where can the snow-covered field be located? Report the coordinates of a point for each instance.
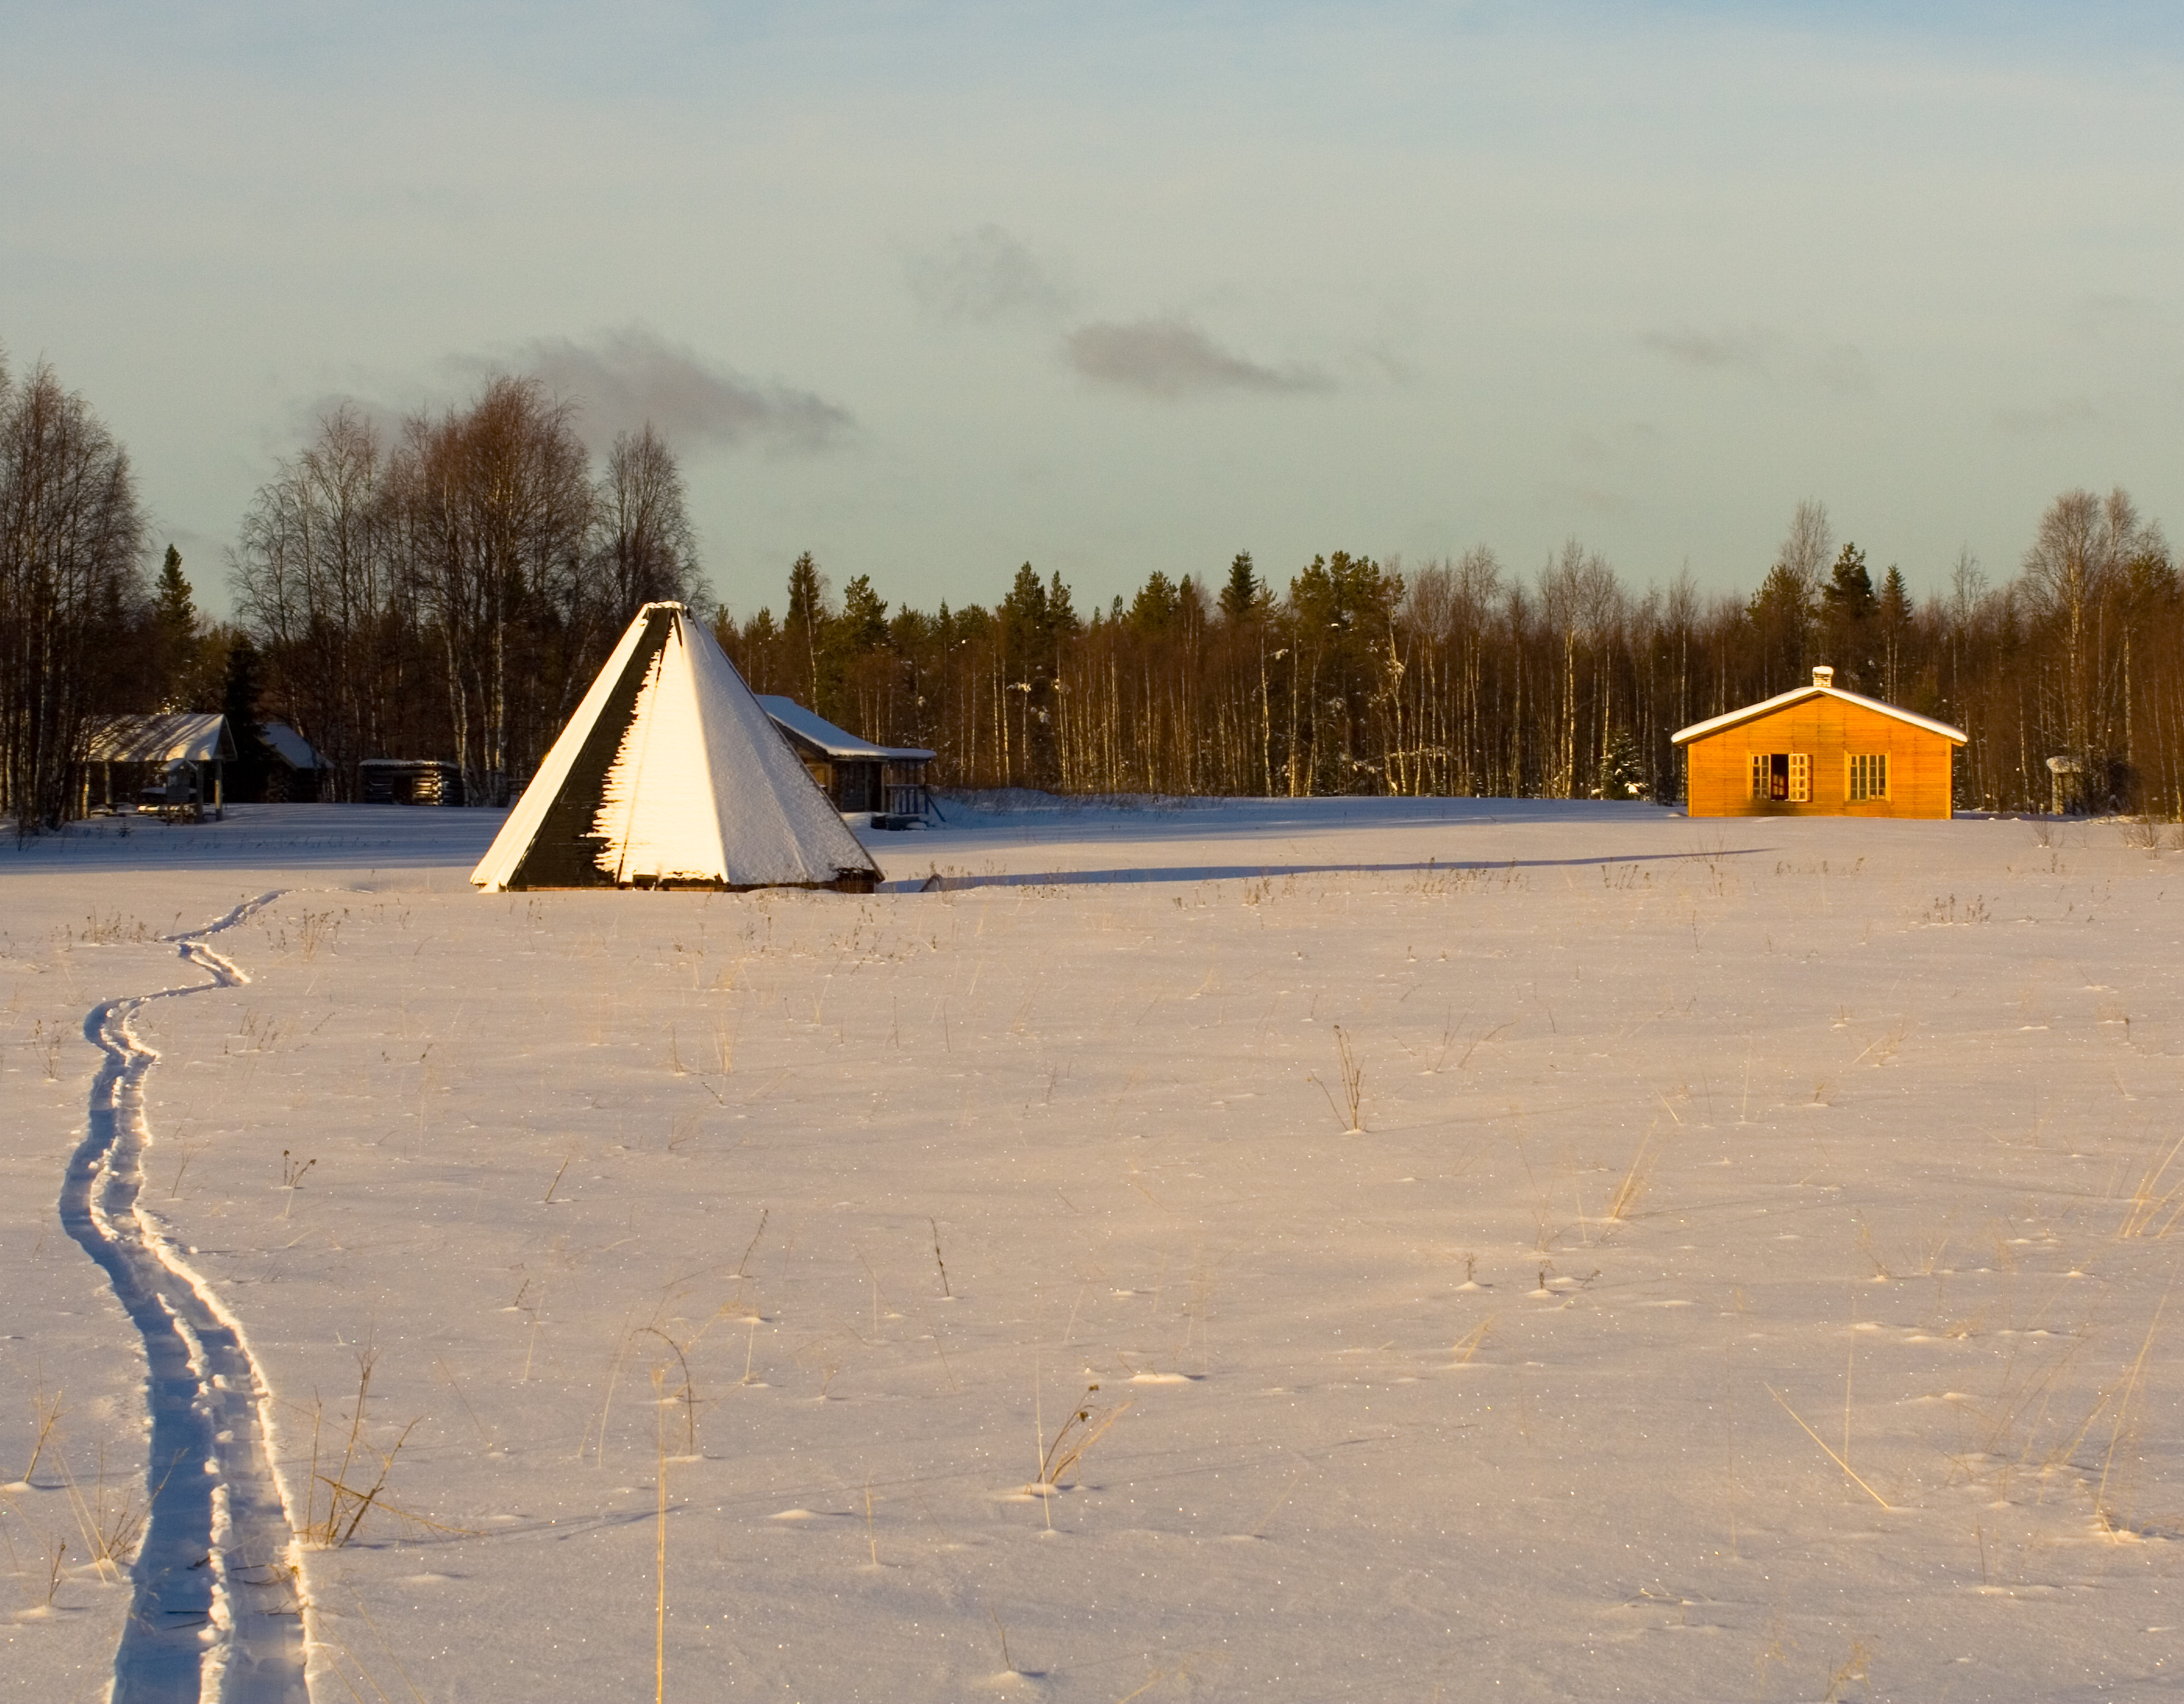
(1749, 1280)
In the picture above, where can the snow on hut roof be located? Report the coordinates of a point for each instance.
(835, 741)
(186, 736)
(1797, 695)
(290, 746)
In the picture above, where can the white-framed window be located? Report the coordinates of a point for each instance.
(1869, 776)
(1784, 777)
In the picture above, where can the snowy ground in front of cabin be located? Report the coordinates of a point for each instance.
(1749, 1280)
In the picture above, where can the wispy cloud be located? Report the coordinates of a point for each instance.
(620, 379)
(2115, 316)
(980, 277)
(2051, 417)
(1171, 357)
(1738, 351)
(1765, 352)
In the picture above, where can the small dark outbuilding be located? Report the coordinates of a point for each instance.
(409, 781)
(888, 781)
(296, 772)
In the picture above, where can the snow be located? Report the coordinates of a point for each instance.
(1749, 1280)
(173, 736)
(290, 746)
(833, 740)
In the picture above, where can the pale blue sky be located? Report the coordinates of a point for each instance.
(931, 289)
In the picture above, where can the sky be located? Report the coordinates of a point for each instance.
(931, 290)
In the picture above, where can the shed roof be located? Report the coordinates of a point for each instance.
(290, 746)
(835, 741)
(189, 736)
(1797, 695)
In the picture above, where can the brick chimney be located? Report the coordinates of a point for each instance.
(1823, 675)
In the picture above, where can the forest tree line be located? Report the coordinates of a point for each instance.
(449, 588)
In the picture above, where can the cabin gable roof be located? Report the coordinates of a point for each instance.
(1797, 695)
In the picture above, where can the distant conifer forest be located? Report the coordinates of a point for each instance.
(447, 587)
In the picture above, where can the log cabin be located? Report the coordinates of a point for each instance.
(888, 781)
(1819, 751)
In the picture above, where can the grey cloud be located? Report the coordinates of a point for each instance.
(1632, 442)
(1171, 357)
(2053, 417)
(980, 277)
(1765, 353)
(1560, 497)
(1840, 368)
(304, 419)
(1742, 351)
(621, 379)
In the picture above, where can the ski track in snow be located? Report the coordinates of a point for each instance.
(217, 1614)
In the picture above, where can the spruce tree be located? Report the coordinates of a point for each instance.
(176, 641)
(1243, 595)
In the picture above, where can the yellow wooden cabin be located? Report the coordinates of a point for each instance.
(1819, 751)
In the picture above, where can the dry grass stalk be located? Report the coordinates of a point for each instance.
(1468, 1345)
(1886, 1045)
(945, 1292)
(46, 1412)
(113, 1523)
(1353, 1079)
(1085, 1427)
(2118, 1428)
(348, 1500)
(688, 1395)
(1352, 1111)
(2157, 1203)
(1830, 1453)
(1637, 1181)
(1852, 1671)
(347, 1506)
(87, 1524)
